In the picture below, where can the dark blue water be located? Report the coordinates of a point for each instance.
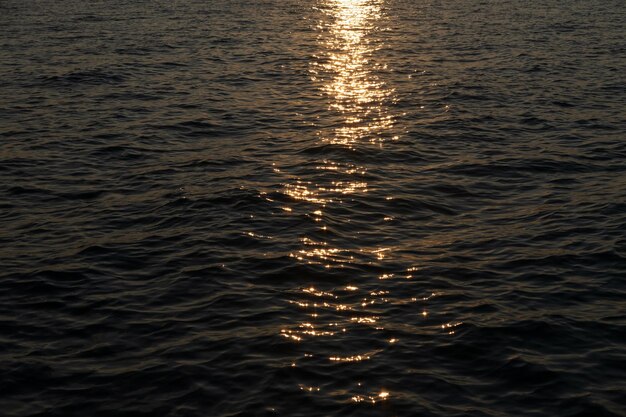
(313, 208)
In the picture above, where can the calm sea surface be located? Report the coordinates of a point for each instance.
(313, 208)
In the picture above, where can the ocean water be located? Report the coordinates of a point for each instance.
(313, 208)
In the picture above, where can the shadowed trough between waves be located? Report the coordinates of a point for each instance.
(313, 208)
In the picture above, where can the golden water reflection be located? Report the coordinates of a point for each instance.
(348, 74)
(360, 104)
(330, 191)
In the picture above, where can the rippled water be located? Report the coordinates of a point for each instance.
(303, 208)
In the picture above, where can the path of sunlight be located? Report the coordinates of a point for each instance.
(347, 72)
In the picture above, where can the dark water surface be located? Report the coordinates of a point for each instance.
(313, 208)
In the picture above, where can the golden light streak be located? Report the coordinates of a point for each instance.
(349, 72)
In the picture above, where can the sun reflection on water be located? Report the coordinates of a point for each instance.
(359, 102)
(348, 74)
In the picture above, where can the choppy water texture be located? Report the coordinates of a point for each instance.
(313, 208)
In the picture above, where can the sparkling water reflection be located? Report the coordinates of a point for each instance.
(347, 71)
(344, 320)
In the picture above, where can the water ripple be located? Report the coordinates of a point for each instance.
(334, 208)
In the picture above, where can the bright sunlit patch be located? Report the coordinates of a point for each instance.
(355, 358)
(349, 71)
(366, 320)
(349, 74)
